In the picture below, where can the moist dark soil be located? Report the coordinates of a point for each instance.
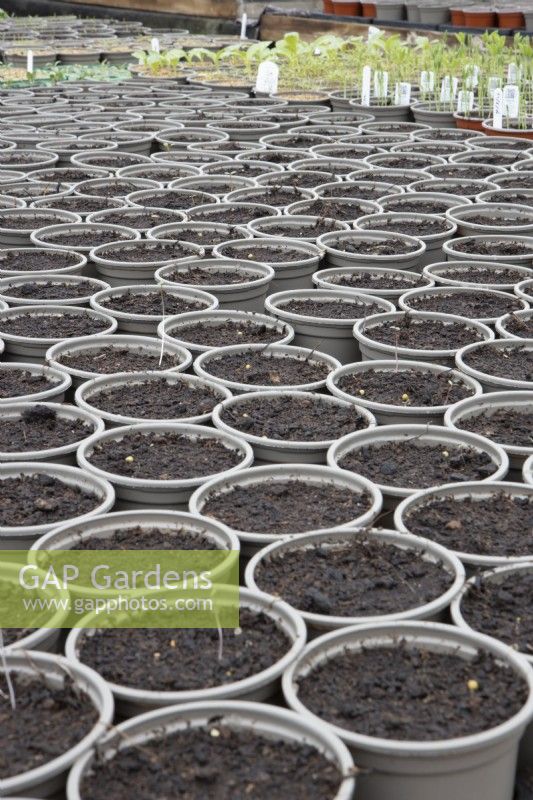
(494, 525)
(215, 763)
(520, 326)
(305, 179)
(357, 577)
(51, 325)
(502, 608)
(240, 168)
(375, 280)
(413, 464)
(141, 538)
(166, 659)
(479, 274)
(405, 692)
(331, 208)
(410, 227)
(21, 157)
(27, 222)
(275, 195)
(81, 205)
(53, 289)
(67, 174)
(294, 419)
(40, 428)
(331, 309)
(163, 456)
(40, 500)
(149, 251)
(156, 303)
(141, 218)
(374, 247)
(513, 363)
(113, 161)
(398, 161)
(269, 253)
(35, 260)
(520, 181)
(512, 425)
(200, 276)
(468, 304)
(157, 398)
(259, 368)
(464, 188)
(426, 334)
(171, 199)
(33, 190)
(347, 189)
(274, 156)
(205, 238)
(89, 238)
(473, 172)
(221, 334)
(115, 187)
(409, 387)
(416, 205)
(497, 220)
(284, 507)
(229, 216)
(516, 197)
(493, 247)
(15, 383)
(302, 229)
(66, 714)
(498, 159)
(108, 358)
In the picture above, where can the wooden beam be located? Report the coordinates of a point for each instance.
(226, 9)
(274, 26)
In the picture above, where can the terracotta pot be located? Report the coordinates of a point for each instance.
(468, 123)
(457, 16)
(328, 7)
(368, 10)
(480, 18)
(511, 19)
(346, 8)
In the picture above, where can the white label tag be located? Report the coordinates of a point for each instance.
(404, 94)
(492, 84)
(512, 73)
(497, 109)
(155, 45)
(455, 86)
(511, 101)
(29, 62)
(267, 78)
(365, 86)
(472, 76)
(244, 23)
(465, 101)
(381, 84)
(446, 89)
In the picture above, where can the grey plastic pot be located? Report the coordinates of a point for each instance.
(259, 718)
(330, 335)
(314, 474)
(481, 764)
(147, 324)
(132, 213)
(387, 414)
(8, 284)
(435, 610)
(247, 295)
(201, 213)
(294, 273)
(75, 268)
(87, 395)
(493, 383)
(33, 349)
(502, 323)
(259, 686)
(120, 273)
(169, 329)
(201, 365)
(337, 257)
(65, 454)
(371, 349)
(330, 279)
(172, 231)
(396, 200)
(433, 242)
(455, 186)
(460, 216)
(22, 237)
(527, 471)
(44, 237)
(408, 301)
(355, 208)
(136, 492)
(22, 537)
(524, 259)
(487, 404)
(468, 491)
(524, 289)
(213, 183)
(59, 378)
(72, 346)
(440, 273)
(50, 778)
(261, 227)
(268, 450)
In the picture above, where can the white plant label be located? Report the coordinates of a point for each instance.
(431, 79)
(381, 84)
(155, 45)
(267, 78)
(497, 109)
(455, 87)
(465, 101)
(402, 94)
(512, 73)
(373, 33)
(472, 76)
(29, 62)
(244, 23)
(446, 89)
(493, 84)
(365, 86)
(511, 101)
